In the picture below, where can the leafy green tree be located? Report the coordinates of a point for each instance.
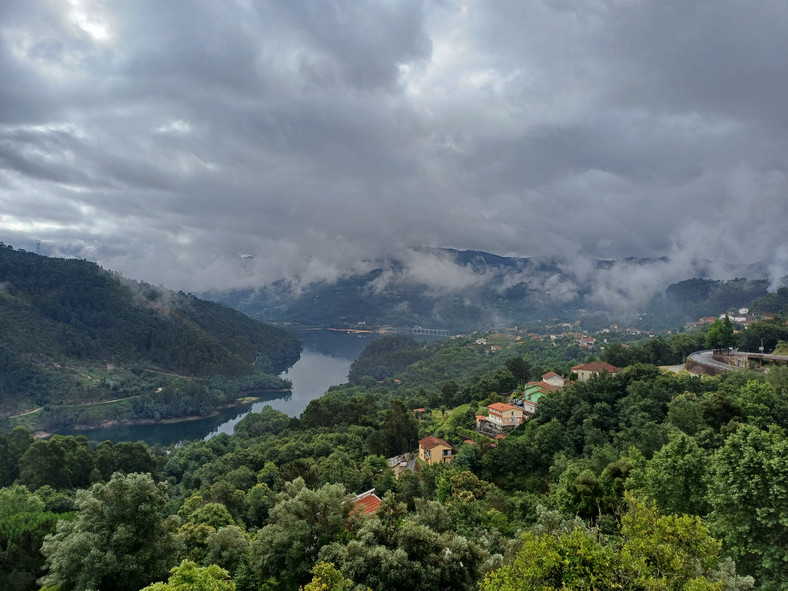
(119, 542)
(750, 504)
(12, 448)
(685, 413)
(190, 577)
(300, 524)
(327, 578)
(682, 345)
(44, 463)
(761, 405)
(520, 369)
(677, 477)
(200, 524)
(654, 553)
(227, 547)
(23, 525)
(720, 334)
(449, 390)
(396, 552)
(399, 428)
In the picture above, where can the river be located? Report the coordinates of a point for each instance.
(325, 361)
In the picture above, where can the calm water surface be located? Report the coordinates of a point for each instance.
(324, 362)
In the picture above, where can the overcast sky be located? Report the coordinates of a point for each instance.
(224, 144)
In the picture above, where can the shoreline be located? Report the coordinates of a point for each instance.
(109, 424)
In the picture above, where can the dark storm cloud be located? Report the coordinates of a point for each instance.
(172, 140)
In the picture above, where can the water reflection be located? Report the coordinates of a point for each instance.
(325, 361)
(311, 377)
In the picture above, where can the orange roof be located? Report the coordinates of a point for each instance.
(501, 406)
(367, 503)
(550, 374)
(597, 366)
(429, 442)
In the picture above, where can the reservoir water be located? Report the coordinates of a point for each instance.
(325, 362)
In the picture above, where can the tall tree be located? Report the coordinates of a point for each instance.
(119, 542)
(519, 368)
(190, 577)
(750, 506)
(300, 524)
(720, 334)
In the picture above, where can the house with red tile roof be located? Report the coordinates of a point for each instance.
(504, 416)
(587, 370)
(434, 450)
(366, 503)
(553, 379)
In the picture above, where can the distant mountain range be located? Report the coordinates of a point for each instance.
(462, 290)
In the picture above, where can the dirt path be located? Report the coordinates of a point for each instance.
(27, 412)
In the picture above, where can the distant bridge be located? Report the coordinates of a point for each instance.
(420, 330)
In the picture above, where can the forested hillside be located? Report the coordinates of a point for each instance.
(74, 335)
(644, 480)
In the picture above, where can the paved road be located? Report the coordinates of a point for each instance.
(704, 358)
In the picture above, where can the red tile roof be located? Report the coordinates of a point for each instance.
(367, 503)
(501, 406)
(429, 442)
(550, 374)
(597, 366)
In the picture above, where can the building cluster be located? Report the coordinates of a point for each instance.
(501, 417)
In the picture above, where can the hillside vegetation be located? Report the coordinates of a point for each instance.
(643, 480)
(74, 335)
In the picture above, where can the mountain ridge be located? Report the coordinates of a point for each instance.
(470, 289)
(74, 334)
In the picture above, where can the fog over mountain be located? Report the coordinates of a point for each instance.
(209, 146)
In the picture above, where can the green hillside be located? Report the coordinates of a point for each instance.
(73, 334)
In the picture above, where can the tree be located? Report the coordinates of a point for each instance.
(677, 476)
(654, 552)
(300, 524)
(190, 577)
(119, 542)
(398, 429)
(327, 578)
(720, 334)
(226, 547)
(399, 552)
(23, 525)
(519, 368)
(749, 502)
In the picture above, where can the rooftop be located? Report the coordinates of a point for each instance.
(367, 502)
(429, 442)
(596, 366)
(501, 406)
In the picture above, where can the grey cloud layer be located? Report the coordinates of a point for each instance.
(169, 140)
